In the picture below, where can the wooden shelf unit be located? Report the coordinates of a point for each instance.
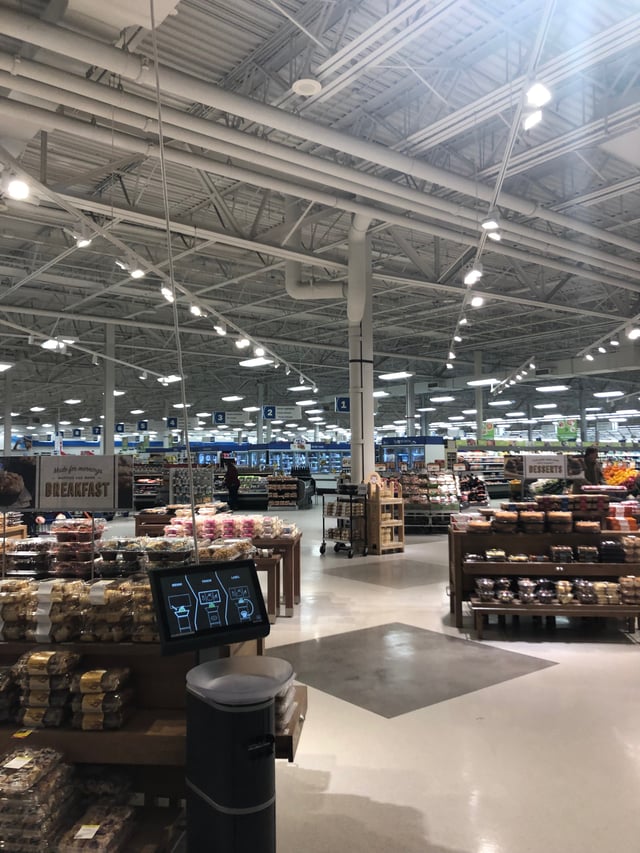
(462, 573)
(385, 521)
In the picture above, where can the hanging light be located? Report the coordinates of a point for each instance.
(463, 321)
(449, 366)
(452, 355)
(601, 349)
(477, 302)
(473, 274)
(496, 236)
(532, 119)
(491, 222)
(614, 343)
(196, 310)
(132, 268)
(633, 333)
(538, 95)
(95, 360)
(167, 293)
(242, 342)
(18, 189)
(258, 351)
(589, 357)
(457, 339)
(221, 328)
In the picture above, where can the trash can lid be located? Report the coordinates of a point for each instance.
(239, 680)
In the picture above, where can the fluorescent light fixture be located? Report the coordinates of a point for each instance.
(633, 333)
(117, 393)
(305, 402)
(302, 387)
(137, 411)
(532, 366)
(196, 310)
(315, 412)
(276, 423)
(479, 383)
(604, 395)
(545, 406)
(532, 119)
(36, 409)
(182, 405)
(614, 342)
(232, 398)
(455, 418)
(400, 374)
(463, 321)
(251, 408)
(5, 365)
(290, 426)
(538, 95)
(72, 401)
(85, 420)
(203, 414)
(491, 222)
(381, 394)
(449, 365)
(588, 357)
(469, 411)
(477, 302)
(259, 361)
(457, 339)
(601, 349)
(442, 399)
(54, 344)
(243, 343)
(259, 351)
(426, 409)
(168, 380)
(497, 403)
(167, 293)
(551, 389)
(496, 236)
(626, 412)
(220, 328)
(515, 414)
(594, 408)
(473, 274)
(17, 189)
(64, 423)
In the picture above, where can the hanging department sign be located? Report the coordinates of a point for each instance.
(95, 484)
(567, 430)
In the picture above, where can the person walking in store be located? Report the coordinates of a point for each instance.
(592, 470)
(232, 482)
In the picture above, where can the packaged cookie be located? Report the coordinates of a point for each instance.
(101, 703)
(22, 768)
(46, 662)
(101, 829)
(100, 680)
(100, 722)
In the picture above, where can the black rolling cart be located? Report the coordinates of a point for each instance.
(348, 512)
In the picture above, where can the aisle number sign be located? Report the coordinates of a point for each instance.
(219, 417)
(268, 413)
(172, 423)
(343, 404)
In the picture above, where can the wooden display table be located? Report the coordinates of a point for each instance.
(271, 565)
(462, 573)
(15, 531)
(289, 548)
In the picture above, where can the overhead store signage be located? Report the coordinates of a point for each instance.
(546, 466)
(488, 430)
(288, 413)
(120, 428)
(567, 430)
(268, 413)
(77, 433)
(96, 430)
(237, 418)
(218, 418)
(343, 404)
(143, 426)
(172, 422)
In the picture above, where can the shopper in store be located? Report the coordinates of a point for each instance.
(591, 470)
(232, 482)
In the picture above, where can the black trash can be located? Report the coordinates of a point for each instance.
(230, 770)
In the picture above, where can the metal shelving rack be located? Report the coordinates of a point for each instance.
(350, 533)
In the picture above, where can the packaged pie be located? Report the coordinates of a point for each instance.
(100, 680)
(22, 768)
(46, 662)
(101, 829)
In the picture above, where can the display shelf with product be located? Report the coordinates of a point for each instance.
(385, 524)
(289, 492)
(429, 499)
(150, 485)
(344, 522)
(572, 573)
(489, 467)
(180, 489)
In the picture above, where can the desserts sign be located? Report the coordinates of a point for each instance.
(85, 483)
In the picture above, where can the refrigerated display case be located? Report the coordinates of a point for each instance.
(411, 453)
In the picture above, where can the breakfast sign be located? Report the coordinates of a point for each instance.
(60, 483)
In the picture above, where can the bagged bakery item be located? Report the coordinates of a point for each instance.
(100, 680)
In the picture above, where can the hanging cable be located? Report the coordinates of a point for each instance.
(176, 323)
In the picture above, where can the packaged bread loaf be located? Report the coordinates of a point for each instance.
(102, 703)
(100, 722)
(100, 680)
(46, 662)
(42, 718)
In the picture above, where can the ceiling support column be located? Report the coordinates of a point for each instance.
(7, 415)
(108, 425)
(259, 414)
(360, 313)
(410, 406)
(479, 396)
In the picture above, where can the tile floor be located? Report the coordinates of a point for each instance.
(416, 743)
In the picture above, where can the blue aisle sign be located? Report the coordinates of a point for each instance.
(172, 423)
(143, 426)
(268, 413)
(219, 417)
(96, 430)
(343, 404)
(120, 428)
(77, 433)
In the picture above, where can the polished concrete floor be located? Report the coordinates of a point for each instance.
(420, 740)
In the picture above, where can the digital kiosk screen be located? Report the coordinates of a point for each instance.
(209, 604)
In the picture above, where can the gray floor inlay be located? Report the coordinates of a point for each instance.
(394, 669)
(396, 574)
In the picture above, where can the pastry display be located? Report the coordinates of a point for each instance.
(101, 829)
(24, 767)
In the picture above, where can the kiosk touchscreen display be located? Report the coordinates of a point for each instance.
(209, 604)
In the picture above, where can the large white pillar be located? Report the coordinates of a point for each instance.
(7, 415)
(479, 396)
(360, 315)
(410, 399)
(109, 422)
